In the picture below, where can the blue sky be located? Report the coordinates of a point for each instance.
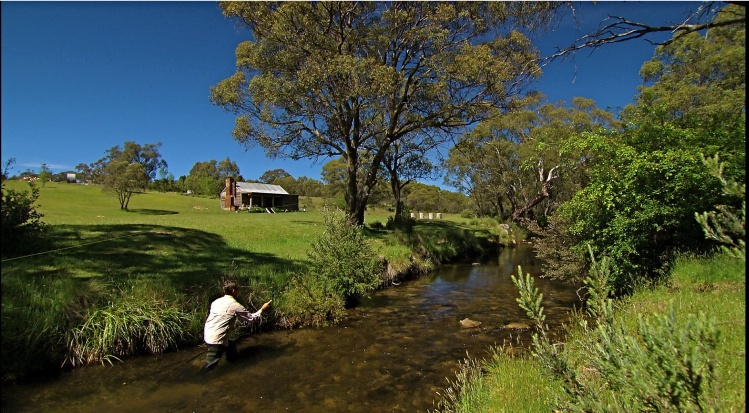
(81, 77)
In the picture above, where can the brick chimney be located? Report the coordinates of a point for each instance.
(231, 192)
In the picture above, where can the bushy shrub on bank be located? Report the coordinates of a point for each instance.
(22, 227)
(343, 268)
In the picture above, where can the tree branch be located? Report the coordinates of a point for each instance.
(619, 29)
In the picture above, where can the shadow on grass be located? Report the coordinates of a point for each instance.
(152, 211)
(186, 257)
(446, 240)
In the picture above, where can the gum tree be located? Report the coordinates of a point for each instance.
(350, 80)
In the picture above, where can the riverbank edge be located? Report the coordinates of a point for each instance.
(509, 381)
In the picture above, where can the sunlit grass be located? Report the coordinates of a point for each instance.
(506, 381)
(713, 286)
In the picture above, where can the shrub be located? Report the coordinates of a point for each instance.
(467, 213)
(377, 225)
(343, 261)
(307, 302)
(21, 228)
(403, 223)
(664, 365)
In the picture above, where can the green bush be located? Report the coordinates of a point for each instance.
(307, 301)
(665, 365)
(377, 225)
(342, 261)
(467, 213)
(21, 227)
(403, 223)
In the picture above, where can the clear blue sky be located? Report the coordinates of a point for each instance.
(81, 77)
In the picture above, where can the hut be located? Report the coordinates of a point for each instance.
(246, 195)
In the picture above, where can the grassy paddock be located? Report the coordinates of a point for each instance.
(115, 282)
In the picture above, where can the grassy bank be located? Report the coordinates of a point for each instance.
(714, 287)
(109, 283)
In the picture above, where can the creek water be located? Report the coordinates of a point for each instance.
(394, 353)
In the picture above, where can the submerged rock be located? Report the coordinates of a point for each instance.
(517, 326)
(468, 323)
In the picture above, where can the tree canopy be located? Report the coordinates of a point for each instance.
(341, 79)
(648, 181)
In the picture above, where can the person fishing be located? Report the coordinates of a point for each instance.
(220, 322)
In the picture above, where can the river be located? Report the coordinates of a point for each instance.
(394, 353)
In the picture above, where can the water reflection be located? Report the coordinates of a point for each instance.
(393, 354)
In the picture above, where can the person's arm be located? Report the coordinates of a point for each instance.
(253, 316)
(263, 308)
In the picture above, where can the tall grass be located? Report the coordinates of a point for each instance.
(506, 381)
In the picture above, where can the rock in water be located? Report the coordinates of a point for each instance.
(518, 326)
(468, 323)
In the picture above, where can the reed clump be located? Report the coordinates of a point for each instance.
(128, 326)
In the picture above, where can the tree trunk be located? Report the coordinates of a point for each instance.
(543, 194)
(395, 186)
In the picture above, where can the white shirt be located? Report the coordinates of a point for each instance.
(221, 318)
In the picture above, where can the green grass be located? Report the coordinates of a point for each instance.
(713, 286)
(508, 381)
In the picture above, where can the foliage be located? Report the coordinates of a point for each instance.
(517, 164)
(530, 299)
(638, 209)
(467, 213)
(665, 365)
(694, 77)
(146, 155)
(726, 225)
(124, 180)
(270, 176)
(342, 259)
(381, 73)
(45, 175)
(404, 163)
(22, 228)
(647, 182)
(209, 178)
(405, 224)
(308, 301)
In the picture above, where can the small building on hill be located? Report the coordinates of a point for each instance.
(248, 195)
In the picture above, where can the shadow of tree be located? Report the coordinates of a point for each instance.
(145, 211)
(185, 257)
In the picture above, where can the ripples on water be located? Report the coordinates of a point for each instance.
(393, 354)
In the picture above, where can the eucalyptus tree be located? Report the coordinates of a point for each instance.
(515, 162)
(343, 79)
(44, 174)
(208, 178)
(125, 179)
(270, 176)
(616, 29)
(404, 163)
(648, 181)
(146, 155)
(228, 169)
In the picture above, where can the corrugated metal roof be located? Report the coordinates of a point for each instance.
(254, 187)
